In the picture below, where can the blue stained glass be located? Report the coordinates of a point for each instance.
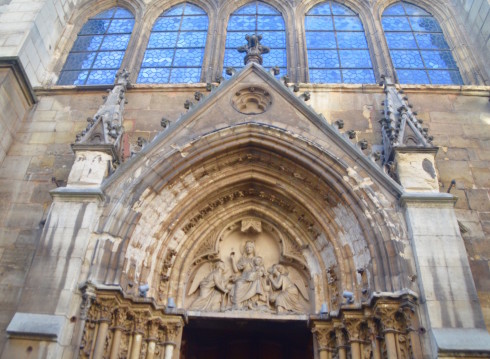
(108, 60)
(233, 58)
(425, 37)
(406, 59)
(73, 78)
(154, 75)
(338, 9)
(192, 39)
(115, 42)
(158, 58)
(193, 10)
(400, 40)
(95, 27)
(325, 76)
(412, 76)
(185, 75)
(167, 24)
(123, 14)
(276, 57)
(438, 60)
(162, 40)
(352, 40)
(323, 58)
(321, 40)
(101, 44)
(177, 10)
(250, 9)
(318, 23)
(355, 59)
(396, 9)
(425, 24)
(445, 77)
(270, 23)
(241, 23)
(188, 57)
(194, 23)
(321, 9)
(266, 9)
(100, 77)
(87, 43)
(79, 61)
(348, 23)
(395, 23)
(414, 10)
(432, 41)
(358, 76)
(105, 14)
(123, 26)
(273, 39)
(235, 39)
(334, 33)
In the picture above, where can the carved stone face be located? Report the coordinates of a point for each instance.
(249, 248)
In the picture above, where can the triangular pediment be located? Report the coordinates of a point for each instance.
(254, 97)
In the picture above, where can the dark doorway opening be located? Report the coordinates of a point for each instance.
(206, 338)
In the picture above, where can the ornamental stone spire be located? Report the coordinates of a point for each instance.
(254, 49)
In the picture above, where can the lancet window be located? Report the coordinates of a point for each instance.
(336, 45)
(417, 46)
(99, 49)
(175, 50)
(261, 19)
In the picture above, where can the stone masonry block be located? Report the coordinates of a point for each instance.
(479, 200)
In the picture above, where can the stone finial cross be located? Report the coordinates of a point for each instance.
(254, 49)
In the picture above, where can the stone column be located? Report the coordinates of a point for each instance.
(139, 323)
(386, 311)
(341, 342)
(322, 334)
(153, 327)
(120, 316)
(375, 343)
(104, 320)
(352, 324)
(173, 334)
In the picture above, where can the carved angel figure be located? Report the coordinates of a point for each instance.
(286, 292)
(212, 290)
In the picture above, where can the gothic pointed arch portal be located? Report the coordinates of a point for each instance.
(251, 221)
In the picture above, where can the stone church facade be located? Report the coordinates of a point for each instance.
(254, 212)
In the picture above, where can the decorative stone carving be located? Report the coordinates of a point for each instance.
(333, 287)
(253, 49)
(251, 101)
(249, 286)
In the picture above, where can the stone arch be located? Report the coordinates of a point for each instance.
(453, 34)
(334, 213)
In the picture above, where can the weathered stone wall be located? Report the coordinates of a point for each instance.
(458, 120)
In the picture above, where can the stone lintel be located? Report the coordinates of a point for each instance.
(461, 340)
(14, 64)
(427, 199)
(73, 194)
(36, 326)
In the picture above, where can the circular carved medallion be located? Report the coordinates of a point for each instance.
(251, 100)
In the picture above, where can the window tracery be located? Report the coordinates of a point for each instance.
(99, 49)
(175, 50)
(261, 19)
(417, 46)
(336, 45)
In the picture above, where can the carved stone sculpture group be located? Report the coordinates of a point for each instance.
(250, 287)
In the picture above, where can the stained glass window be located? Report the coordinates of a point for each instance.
(175, 50)
(259, 18)
(99, 49)
(336, 45)
(417, 46)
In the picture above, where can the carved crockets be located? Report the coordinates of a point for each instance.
(116, 328)
(251, 287)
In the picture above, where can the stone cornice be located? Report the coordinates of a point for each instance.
(77, 194)
(427, 199)
(16, 66)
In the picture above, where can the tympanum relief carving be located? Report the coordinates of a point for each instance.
(249, 273)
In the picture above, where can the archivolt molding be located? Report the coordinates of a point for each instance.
(179, 197)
